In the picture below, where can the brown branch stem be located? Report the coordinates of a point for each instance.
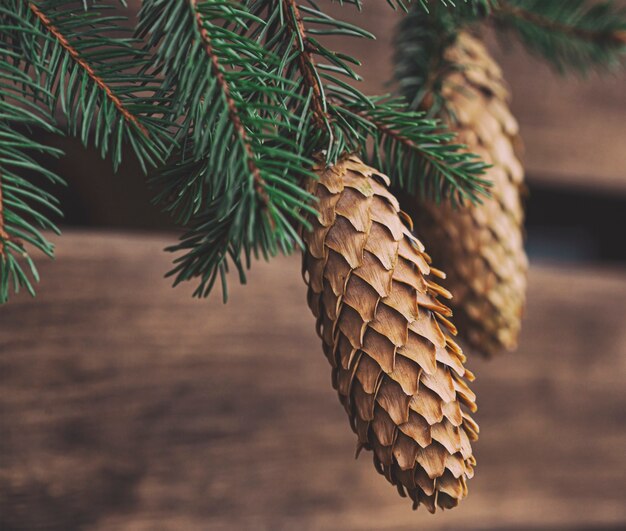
(54, 31)
(218, 72)
(385, 129)
(306, 62)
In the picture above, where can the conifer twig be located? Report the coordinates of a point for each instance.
(5, 237)
(615, 37)
(54, 31)
(408, 145)
(573, 35)
(306, 63)
(392, 133)
(259, 182)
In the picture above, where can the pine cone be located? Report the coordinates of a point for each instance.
(481, 246)
(399, 375)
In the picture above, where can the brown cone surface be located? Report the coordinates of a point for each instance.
(481, 247)
(399, 375)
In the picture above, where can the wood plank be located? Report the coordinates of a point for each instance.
(125, 404)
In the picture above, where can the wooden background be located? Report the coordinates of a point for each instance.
(125, 404)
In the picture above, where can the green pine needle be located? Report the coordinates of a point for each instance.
(572, 35)
(25, 208)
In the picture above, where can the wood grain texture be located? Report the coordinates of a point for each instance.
(125, 404)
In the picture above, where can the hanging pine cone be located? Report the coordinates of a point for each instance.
(481, 247)
(399, 375)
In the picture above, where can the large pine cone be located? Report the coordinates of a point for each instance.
(399, 375)
(481, 246)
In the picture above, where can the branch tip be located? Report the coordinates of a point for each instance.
(307, 63)
(54, 31)
(259, 182)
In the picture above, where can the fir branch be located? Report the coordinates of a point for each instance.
(320, 74)
(218, 72)
(570, 34)
(24, 209)
(86, 67)
(612, 37)
(235, 182)
(54, 31)
(307, 64)
(420, 154)
(24, 205)
(443, 170)
(421, 66)
(53, 56)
